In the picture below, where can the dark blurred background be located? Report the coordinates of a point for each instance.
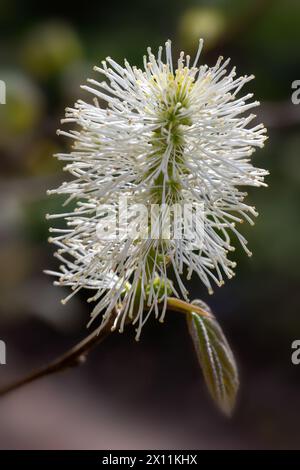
(150, 394)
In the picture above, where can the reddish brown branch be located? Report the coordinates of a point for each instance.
(78, 353)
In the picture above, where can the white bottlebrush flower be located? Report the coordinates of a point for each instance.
(165, 135)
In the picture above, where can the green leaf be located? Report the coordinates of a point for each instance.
(216, 359)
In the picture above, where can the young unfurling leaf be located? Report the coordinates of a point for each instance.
(216, 359)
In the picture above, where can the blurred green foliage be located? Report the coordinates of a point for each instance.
(49, 47)
(209, 23)
(23, 109)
